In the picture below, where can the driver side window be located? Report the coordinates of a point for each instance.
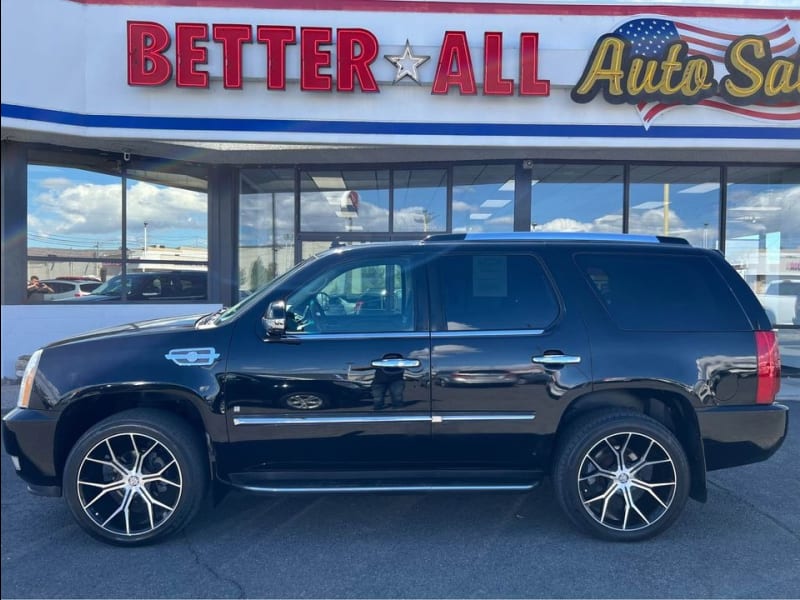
(374, 297)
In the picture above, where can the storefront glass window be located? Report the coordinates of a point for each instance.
(763, 236)
(74, 225)
(167, 222)
(266, 226)
(483, 198)
(344, 201)
(420, 200)
(577, 198)
(75, 229)
(677, 201)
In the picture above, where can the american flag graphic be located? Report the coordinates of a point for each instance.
(650, 37)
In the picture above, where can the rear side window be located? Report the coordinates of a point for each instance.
(663, 292)
(500, 291)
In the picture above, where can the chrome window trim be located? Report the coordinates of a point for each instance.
(361, 419)
(486, 333)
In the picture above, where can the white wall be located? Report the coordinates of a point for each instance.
(26, 328)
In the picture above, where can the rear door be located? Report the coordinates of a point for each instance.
(506, 357)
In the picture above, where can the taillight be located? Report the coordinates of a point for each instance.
(769, 367)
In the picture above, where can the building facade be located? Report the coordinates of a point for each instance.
(239, 137)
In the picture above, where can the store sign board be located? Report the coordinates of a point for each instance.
(656, 64)
(356, 52)
(652, 63)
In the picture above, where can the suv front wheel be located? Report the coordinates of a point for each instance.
(136, 477)
(621, 475)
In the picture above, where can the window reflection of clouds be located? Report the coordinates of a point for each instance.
(420, 200)
(78, 209)
(483, 198)
(326, 202)
(577, 198)
(680, 200)
(767, 207)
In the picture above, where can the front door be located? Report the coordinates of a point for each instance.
(348, 385)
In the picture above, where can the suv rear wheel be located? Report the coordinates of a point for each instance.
(621, 475)
(136, 477)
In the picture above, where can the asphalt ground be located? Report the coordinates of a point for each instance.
(743, 543)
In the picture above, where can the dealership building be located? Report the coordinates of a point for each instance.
(238, 137)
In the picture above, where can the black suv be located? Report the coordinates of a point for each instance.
(623, 367)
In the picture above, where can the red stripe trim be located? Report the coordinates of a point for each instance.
(772, 35)
(741, 110)
(779, 32)
(784, 46)
(507, 8)
(707, 32)
(704, 43)
(656, 110)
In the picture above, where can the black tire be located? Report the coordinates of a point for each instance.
(604, 467)
(121, 452)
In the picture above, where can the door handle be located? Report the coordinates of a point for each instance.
(396, 363)
(556, 359)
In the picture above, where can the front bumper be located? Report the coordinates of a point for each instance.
(740, 435)
(28, 437)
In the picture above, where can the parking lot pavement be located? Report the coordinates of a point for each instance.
(743, 543)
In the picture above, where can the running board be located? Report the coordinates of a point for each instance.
(358, 489)
(401, 480)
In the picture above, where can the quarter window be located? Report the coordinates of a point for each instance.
(662, 293)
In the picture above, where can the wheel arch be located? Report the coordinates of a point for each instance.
(671, 408)
(95, 405)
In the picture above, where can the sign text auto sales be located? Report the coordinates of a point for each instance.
(754, 75)
(352, 62)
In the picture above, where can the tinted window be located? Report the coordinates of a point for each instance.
(495, 291)
(663, 292)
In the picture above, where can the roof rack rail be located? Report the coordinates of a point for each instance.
(520, 236)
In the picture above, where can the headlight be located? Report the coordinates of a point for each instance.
(26, 385)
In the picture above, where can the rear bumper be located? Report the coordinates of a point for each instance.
(28, 437)
(740, 435)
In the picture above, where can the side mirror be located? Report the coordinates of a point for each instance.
(275, 319)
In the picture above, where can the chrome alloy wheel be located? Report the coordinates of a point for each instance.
(627, 481)
(129, 484)
(304, 401)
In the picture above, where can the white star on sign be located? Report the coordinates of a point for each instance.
(406, 64)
